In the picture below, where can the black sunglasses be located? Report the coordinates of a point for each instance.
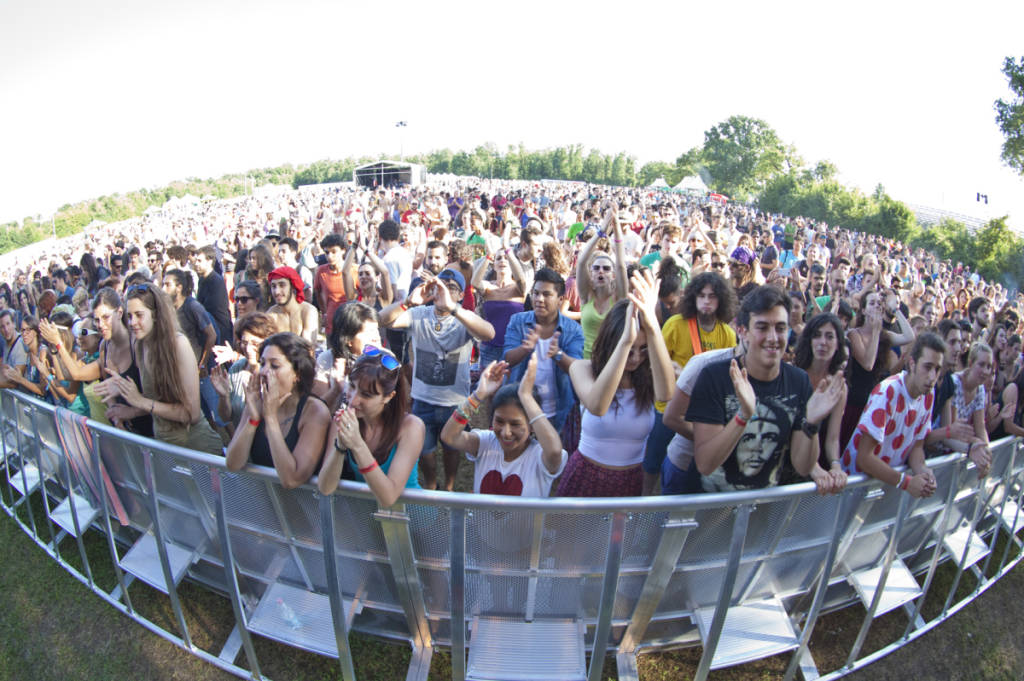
(244, 299)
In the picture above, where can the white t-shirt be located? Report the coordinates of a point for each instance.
(526, 476)
(680, 449)
(440, 352)
(545, 381)
(399, 264)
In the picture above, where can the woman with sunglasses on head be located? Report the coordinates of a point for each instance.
(508, 461)
(628, 370)
(283, 428)
(66, 392)
(374, 435)
(116, 356)
(600, 278)
(168, 372)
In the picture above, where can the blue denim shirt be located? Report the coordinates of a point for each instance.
(570, 341)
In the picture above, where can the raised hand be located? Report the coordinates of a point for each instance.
(631, 328)
(222, 354)
(443, 301)
(491, 379)
(48, 332)
(644, 297)
(744, 391)
(529, 378)
(828, 392)
(219, 380)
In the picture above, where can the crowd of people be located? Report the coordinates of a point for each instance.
(603, 341)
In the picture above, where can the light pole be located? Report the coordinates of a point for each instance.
(401, 149)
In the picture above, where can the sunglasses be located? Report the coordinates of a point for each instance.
(244, 299)
(142, 288)
(718, 265)
(601, 268)
(387, 360)
(87, 332)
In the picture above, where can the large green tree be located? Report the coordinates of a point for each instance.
(1010, 115)
(743, 154)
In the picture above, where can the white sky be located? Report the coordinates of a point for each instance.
(104, 97)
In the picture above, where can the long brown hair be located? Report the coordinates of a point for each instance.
(159, 346)
(369, 374)
(608, 337)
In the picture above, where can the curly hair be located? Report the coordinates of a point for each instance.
(804, 354)
(727, 302)
(299, 353)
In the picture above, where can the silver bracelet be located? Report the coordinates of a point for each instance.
(538, 416)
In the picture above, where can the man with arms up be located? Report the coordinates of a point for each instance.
(441, 340)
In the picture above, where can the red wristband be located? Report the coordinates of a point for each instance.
(740, 420)
(906, 482)
(254, 422)
(366, 469)
(459, 418)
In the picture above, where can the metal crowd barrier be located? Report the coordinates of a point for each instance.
(516, 588)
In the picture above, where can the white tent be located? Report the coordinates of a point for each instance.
(693, 183)
(660, 183)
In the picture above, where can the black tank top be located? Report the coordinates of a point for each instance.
(140, 425)
(259, 453)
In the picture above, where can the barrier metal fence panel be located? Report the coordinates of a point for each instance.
(744, 575)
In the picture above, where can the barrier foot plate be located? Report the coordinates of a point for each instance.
(30, 482)
(626, 664)
(553, 650)
(956, 542)
(751, 631)
(297, 617)
(86, 514)
(1011, 517)
(900, 586)
(143, 561)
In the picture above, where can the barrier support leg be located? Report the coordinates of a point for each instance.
(739, 536)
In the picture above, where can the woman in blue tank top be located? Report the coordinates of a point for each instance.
(374, 433)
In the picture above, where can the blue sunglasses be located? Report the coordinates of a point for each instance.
(386, 359)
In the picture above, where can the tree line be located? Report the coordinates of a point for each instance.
(741, 157)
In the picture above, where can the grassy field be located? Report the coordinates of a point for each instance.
(53, 627)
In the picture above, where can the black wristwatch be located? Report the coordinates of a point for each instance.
(810, 429)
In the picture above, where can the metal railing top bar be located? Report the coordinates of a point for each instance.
(469, 501)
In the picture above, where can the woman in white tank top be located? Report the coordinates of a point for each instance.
(628, 370)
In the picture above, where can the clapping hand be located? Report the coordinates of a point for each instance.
(827, 394)
(347, 425)
(491, 379)
(744, 391)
